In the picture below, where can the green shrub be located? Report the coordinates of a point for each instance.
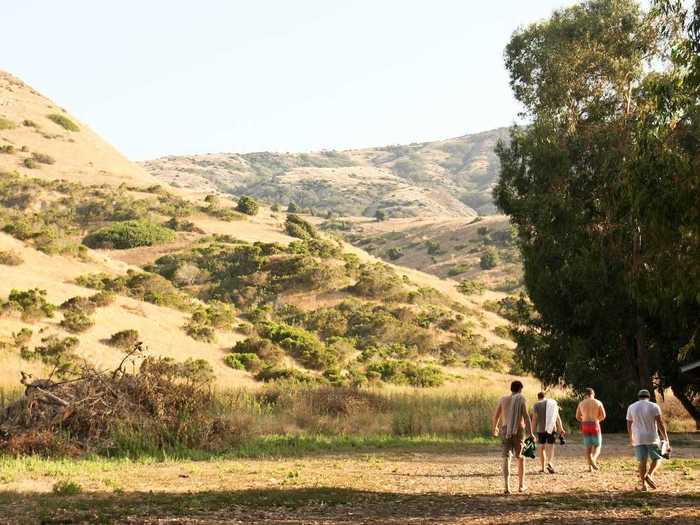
(57, 353)
(248, 205)
(66, 488)
(272, 373)
(7, 149)
(242, 361)
(9, 258)
(125, 339)
(267, 351)
(29, 123)
(129, 234)
(433, 248)
(180, 225)
(304, 346)
(7, 124)
(457, 269)
(380, 216)
(405, 372)
(200, 332)
(102, 299)
(78, 304)
(297, 227)
(394, 253)
(293, 208)
(43, 158)
(379, 281)
(30, 163)
(63, 121)
(490, 259)
(76, 322)
(31, 304)
(471, 287)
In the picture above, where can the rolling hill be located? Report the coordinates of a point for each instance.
(92, 246)
(451, 177)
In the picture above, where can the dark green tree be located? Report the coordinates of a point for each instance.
(247, 205)
(589, 184)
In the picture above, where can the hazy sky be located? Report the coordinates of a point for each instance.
(158, 77)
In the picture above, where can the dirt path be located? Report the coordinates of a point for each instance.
(456, 484)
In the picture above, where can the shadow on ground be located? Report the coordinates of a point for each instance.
(339, 506)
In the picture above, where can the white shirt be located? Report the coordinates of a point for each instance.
(643, 414)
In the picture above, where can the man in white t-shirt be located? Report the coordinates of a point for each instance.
(644, 423)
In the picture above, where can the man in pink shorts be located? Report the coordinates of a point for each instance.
(590, 412)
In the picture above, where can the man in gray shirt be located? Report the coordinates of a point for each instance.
(546, 422)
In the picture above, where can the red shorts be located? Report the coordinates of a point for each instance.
(590, 428)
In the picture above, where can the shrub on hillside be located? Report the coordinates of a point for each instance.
(297, 227)
(471, 287)
(129, 234)
(29, 123)
(265, 349)
(249, 362)
(78, 304)
(490, 259)
(30, 163)
(76, 322)
(403, 372)
(394, 253)
(102, 299)
(181, 225)
(9, 258)
(43, 158)
(304, 346)
(31, 304)
(200, 332)
(124, 339)
(248, 205)
(273, 373)
(7, 124)
(63, 121)
(457, 269)
(293, 208)
(379, 281)
(7, 149)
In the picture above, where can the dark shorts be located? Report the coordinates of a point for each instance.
(546, 438)
(513, 446)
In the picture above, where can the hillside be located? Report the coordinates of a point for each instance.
(450, 177)
(96, 255)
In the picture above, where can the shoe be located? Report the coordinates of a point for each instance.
(550, 468)
(650, 482)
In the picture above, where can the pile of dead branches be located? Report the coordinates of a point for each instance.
(159, 402)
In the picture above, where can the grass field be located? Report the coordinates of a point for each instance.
(345, 481)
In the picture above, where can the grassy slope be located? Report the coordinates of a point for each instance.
(82, 157)
(450, 177)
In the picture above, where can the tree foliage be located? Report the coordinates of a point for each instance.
(603, 186)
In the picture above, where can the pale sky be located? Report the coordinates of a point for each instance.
(159, 77)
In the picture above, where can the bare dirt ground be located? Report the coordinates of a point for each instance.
(446, 484)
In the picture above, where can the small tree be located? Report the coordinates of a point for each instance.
(292, 208)
(248, 205)
(380, 215)
(490, 259)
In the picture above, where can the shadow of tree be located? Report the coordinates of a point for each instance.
(342, 506)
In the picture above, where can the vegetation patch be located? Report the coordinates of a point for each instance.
(63, 121)
(129, 234)
(10, 258)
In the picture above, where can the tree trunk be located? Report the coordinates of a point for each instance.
(687, 404)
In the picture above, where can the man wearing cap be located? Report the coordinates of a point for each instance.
(644, 423)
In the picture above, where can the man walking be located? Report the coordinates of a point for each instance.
(547, 423)
(510, 422)
(644, 422)
(590, 412)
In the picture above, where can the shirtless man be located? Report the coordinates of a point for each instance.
(510, 422)
(590, 412)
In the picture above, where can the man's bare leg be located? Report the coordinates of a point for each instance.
(650, 473)
(506, 473)
(543, 458)
(550, 455)
(643, 473)
(521, 475)
(589, 457)
(594, 456)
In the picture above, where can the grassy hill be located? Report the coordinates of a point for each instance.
(96, 255)
(450, 177)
